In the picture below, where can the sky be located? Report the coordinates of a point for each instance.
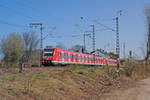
(62, 23)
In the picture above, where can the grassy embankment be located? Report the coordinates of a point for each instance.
(72, 83)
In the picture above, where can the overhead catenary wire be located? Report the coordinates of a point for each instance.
(106, 27)
(25, 5)
(49, 33)
(39, 14)
(11, 24)
(17, 12)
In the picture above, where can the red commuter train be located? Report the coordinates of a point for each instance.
(57, 56)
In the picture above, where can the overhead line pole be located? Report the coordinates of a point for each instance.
(84, 41)
(124, 50)
(93, 39)
(84, 35)
(41, 39)
(117, 38)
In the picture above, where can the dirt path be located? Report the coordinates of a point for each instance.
(141, 91)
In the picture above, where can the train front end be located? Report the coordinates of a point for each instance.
(47, 56)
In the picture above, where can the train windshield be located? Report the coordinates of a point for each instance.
(48, 53)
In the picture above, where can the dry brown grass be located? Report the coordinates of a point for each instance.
(72, 83)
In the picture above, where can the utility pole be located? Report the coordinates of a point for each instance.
(117, 38)
(84, 35)
(41, 39)
(84, 41)
(124, 50)
(130, 54)
(93, 39)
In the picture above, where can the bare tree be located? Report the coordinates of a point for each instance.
(147, 15)
(31, 42)
(143, 49)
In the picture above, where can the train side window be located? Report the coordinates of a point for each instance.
(60, 55)
(72, 56)
(64, 55)
(75, 57)
(78, 57)
(67, 56)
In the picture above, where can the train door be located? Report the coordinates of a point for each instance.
(60, 56)
(105, 61)
(57, 58)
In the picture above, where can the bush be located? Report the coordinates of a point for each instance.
(128, 67)
(12, 48)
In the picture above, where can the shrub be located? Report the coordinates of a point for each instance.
(128, 67)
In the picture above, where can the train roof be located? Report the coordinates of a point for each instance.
(97, 55)
(77, 52)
